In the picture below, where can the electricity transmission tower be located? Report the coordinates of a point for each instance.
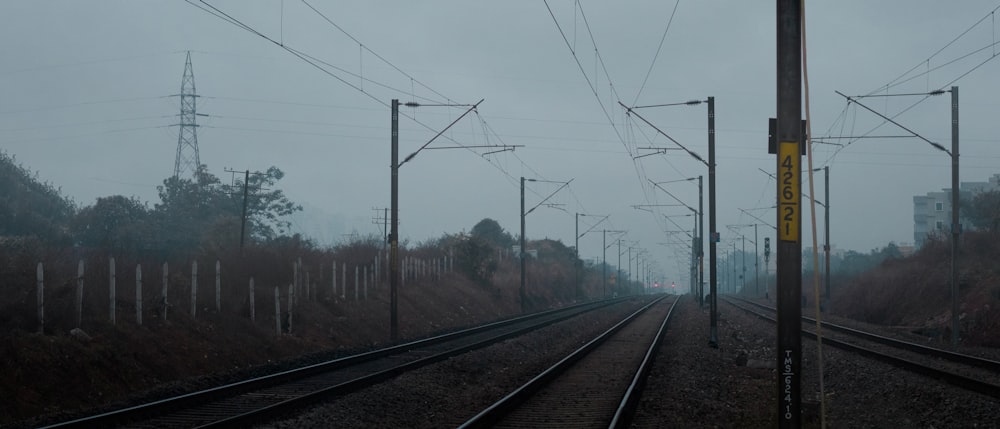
(187, 161)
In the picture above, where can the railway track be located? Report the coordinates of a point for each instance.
(263, 398)
(968, 372)
(597, 385)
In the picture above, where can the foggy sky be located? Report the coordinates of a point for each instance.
(86, 86)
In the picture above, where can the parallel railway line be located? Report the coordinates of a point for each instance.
(263, 398)
(972, 373)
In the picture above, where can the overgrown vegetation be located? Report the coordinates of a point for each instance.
(915, 291)
(29, 208)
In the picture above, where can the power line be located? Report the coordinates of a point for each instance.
(85, 103)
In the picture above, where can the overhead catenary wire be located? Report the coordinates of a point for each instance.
(906, 76)
(637, 165)
(322, 65)
(894, 81)
(380, 57)
(657, 54)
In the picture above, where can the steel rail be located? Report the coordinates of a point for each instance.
(961, 381)
(198, 398)
(626, 409)
(976, 361)
(491, 415)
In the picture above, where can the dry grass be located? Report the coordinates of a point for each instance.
(915, 291)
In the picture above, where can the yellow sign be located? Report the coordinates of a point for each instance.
(789, 196)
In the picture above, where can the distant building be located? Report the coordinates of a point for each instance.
(932, 212)
(906, 249)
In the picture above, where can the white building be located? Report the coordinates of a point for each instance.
(932, 212)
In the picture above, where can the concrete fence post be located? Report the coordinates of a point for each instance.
(163, 292)
(366, 282)
(277, 310)
(194, 288)
(291, 300)
(355, 282)
(218, 287)
(334, 276)
(138, 294)
(111, 289)
(343, 281)
(40, 293)
(295, 277)
(253, 308)
(79, 294)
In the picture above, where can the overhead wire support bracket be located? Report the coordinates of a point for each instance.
(564, 184)
(657, 151)
(594, 226)
(630, 111)
(410, 156)
(505, 149)
(888, 119)
(762, 221)
(502, 148)
(644, 208)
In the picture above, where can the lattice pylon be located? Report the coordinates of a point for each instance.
(187, 161)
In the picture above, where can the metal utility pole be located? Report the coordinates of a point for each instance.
(523, 294)
(524, 250)
(243, 223)
(743, 276)
(579, 263)
(701, 245)
(604, 265)
(756, 264)
(694, 260)
(826, 227)
(630, 264)
(956, 228)
(713, 234)
(713, 336)
(618, 268)
(735, 279)
(394, 273)
(576, 262)
(789, 252)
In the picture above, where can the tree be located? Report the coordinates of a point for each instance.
(491, 232)
(191, 210)
(29, 207)
(266, 207)
(476, 258)
(187, 209)
(984, 211)
(115, 223)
